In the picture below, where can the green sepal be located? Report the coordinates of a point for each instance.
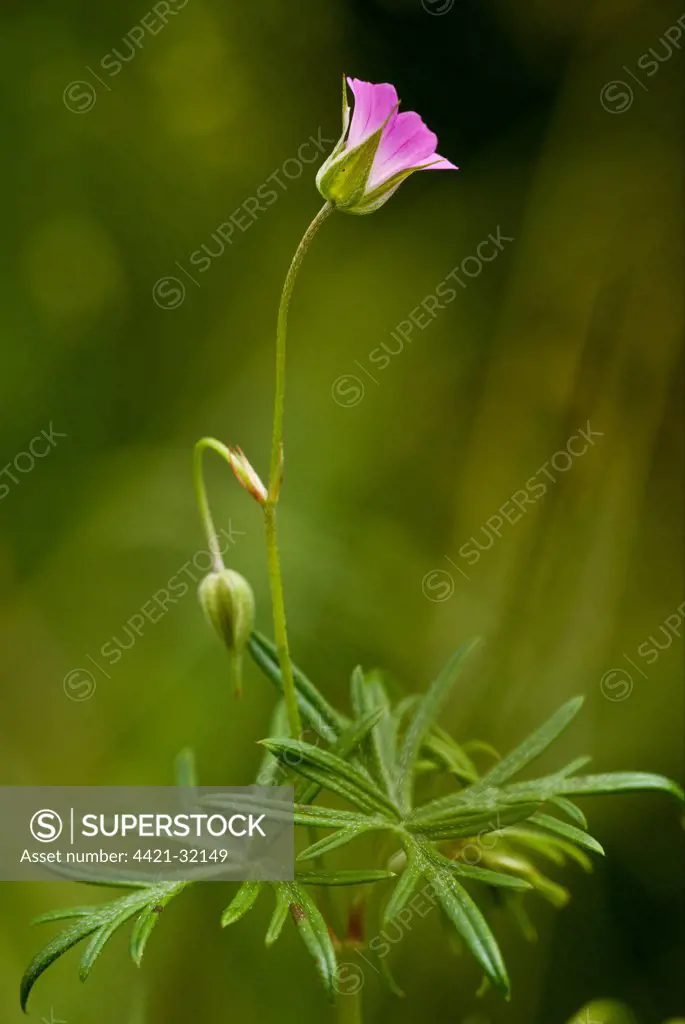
(343, 176)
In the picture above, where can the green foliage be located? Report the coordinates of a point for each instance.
(376, 762)
(145, 904)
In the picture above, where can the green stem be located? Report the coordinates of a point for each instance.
(281, 331)
(350, 1007)
(201, 495)
(280, 628)
(275, 476)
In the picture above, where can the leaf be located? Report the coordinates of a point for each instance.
(142, 930)
(570, 832)
(86, 875)
(389, 979)
(100, 921)
(186, 771)
(423, 719)
(356, 732)
(270, 769)
(486, 875)
(315, 935)
(467, 826)
(403, 891)
(553, 847)
(570, 809)
(64, 914)
(515, 906)
(344, 877)
(148, 919)
(55, 949)
(575, 765)
(456, 810)
(368, 694)
(329, 817)
(535, 745)
(280, 915)
(323, 718)
(277, 808)
(402, 709)
(332, 773)
(347, 743)
(466, 917)
(589, 785)
(450, 755)
(480, 747)
(339, 838)
(100, 940)
(243, 901)
(621, 782)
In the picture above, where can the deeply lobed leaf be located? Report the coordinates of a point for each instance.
(100, 922)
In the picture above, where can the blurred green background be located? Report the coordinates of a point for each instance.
(109, 186)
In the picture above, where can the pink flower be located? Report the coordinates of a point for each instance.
(381, 148)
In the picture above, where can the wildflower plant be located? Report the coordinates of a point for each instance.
(398, 774)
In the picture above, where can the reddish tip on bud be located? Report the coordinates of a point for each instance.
(246, 476)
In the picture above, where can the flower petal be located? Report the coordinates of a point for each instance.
(439, 164)
(405, 143)
(373, 104)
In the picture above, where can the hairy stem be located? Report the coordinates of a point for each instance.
(275, 477)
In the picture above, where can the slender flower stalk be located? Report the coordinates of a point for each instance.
(276, 476)
(226, 597)
(204, 444)
(281, 332)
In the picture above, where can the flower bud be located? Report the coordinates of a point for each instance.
(228, 603)
(247, 476)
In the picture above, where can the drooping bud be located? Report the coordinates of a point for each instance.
(228, 603)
